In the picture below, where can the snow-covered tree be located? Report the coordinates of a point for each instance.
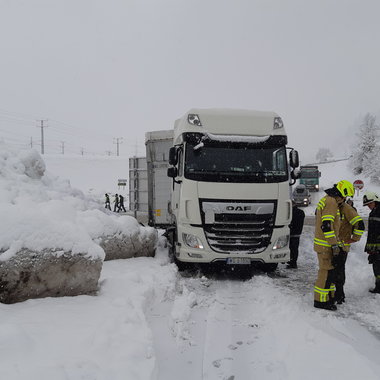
(323, 154)
(365, 149)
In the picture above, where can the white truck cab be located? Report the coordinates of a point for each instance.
(230, 199)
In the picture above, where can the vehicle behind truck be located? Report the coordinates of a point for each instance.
(309, 176)
(301, 196)
(230, 192)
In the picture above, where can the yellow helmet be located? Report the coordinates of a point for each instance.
(345, 188)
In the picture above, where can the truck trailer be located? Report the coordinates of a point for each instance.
(228, 199)
(158, 144)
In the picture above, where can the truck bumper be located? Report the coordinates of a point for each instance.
(185, 253)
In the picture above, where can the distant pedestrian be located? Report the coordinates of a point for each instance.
(296, 226)
(121, 204)
(372, 246)
(116, 203)
(107, 204)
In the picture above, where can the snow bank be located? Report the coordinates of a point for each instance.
(51, 234)
(38, 210)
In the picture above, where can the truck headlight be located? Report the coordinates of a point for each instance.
(278, 123)
(281, 242)
(192, 241)
(305, 200)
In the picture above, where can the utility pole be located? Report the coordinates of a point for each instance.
(63, 147)
(82, 151)
(31, 142)
(119, 140)
(136, 148)
(42, 126)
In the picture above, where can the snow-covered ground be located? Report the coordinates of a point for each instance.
(150, 322)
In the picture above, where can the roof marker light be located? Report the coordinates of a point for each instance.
(278, 123)
(194, 119)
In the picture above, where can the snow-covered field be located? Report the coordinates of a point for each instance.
(93, 175)
(149, 322)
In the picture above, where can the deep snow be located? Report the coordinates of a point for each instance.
(149, 322)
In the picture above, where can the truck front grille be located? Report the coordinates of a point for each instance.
(228, 229)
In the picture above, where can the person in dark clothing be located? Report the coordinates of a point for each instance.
(116, 203)
(296, 226)
(108, 203)
(121, 204)
(372, 246)
(350, 231)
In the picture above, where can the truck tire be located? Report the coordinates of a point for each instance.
(171, 237)
(182, 266)
(268, 267)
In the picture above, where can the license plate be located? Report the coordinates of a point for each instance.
(239, 261)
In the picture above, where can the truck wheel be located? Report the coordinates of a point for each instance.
(269, 268)
(182, 266)
(172, 241)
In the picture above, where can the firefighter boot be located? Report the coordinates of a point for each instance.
(339, 297)
(325, 305)
(376, 289)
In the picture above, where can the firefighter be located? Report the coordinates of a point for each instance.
(327, 242)
(372, 246)
(351, 230)
(296, 226)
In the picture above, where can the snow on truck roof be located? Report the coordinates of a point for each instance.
(230, 122)
(224, 124)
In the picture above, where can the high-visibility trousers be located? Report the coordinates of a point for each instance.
(324, 289)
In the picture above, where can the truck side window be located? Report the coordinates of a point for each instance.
(280, 160)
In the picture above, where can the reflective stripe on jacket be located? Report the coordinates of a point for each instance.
(373, 239)
(349, 225)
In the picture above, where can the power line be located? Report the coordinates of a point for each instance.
(42, 126)
(119, 140)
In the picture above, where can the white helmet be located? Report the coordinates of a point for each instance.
(369, 197)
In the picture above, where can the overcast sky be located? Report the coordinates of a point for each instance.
(103, 69)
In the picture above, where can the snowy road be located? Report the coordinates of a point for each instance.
(148, 322)
(264, 328)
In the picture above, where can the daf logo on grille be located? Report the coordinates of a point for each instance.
(238, 208)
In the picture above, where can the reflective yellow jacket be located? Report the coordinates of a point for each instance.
(327, 210)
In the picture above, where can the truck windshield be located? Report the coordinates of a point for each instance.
(236, 163)
(309, 174)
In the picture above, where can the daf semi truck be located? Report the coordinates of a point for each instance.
(230, 194)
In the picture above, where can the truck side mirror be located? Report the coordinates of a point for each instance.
(173, 156)
(295, 174)
(172, 172)
(294, 159)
